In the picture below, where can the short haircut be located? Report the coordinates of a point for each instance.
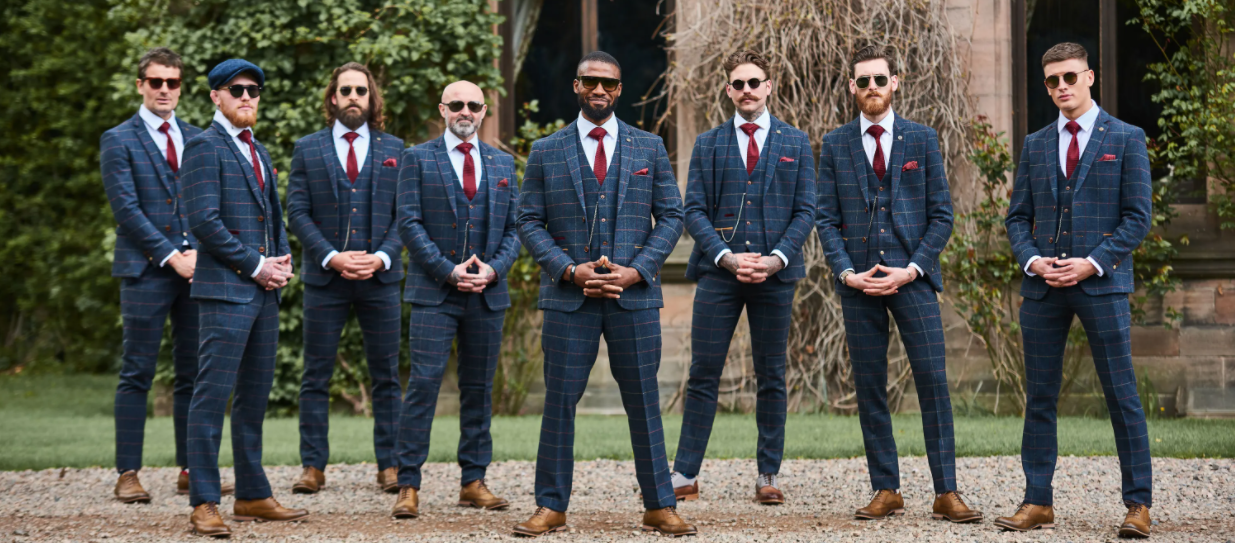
(874, 52)
(377, 119)
(162, 56)
(1065, 51)
(746, 57)
(599, 56)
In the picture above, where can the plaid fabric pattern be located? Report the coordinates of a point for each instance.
(916, 310)
(921, 204)
(1112, 202)
(235, 223)
(571, 341)
(145, 197)
(145, 304)
(553, 221)
(788, 195)
(719, 300)
(326, 310)
(313, 203)
(431, 333)
(1044, 329)
(236, 359)
(428, 221)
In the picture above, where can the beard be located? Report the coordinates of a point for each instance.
(464, 127)
(874, 105)
(241, 119)
(352, 118)
(593, 112)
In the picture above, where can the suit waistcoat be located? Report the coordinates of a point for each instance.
(1063, 242)
(473, 219)
(741, 205)
(601, 200)
(884, 247)
(356, 204)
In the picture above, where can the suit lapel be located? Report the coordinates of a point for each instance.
(447, 172)
(187, 131)
(569, 148)
(772, 147)
(375, 165)
(246, 165)
(714, 161)
(330, 156)
(624, 138)
(496, 222)
(857, 154)
(1052, 158)
(898, 152)
(1091, 148)
(161, 166)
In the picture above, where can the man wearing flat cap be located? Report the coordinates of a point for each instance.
(233, 210)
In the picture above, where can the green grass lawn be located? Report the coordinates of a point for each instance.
(51, 421)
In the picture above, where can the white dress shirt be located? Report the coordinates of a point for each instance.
(153, 122)
(589, 144)
(456, 156)
(234, 132)
(1065, 140)
(885, 143)
(361, 146)
(761, 136)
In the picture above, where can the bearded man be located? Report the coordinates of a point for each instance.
(884, 214)
(341, 203)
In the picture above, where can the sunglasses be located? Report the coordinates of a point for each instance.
(457, 106)
(610, 84)
(881, 81)
(754, 83)
(1070, 78)
(347, 91)
(238, 90)
(156, 83)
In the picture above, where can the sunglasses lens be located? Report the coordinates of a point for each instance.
(1070, 78)
(455, 106)
(173, 84)
(361, 91)
(345, 91)
(862, 82)
(754, 83)
(475, 107)
(589, 82)
(155, 83)
(1052, 82)
(881, 81)
(610, 84)
(738, 84)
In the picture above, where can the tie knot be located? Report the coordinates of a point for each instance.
(750, 129)
(597, 133)
(351, 136)
(166, 126)
(875, 130)
(464, 147)
(1073, 127)
(246, 136)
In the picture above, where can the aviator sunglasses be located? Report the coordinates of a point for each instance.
(156, 83)
(754, 83)
(1070, 78)
(865, 81)
(347, 91)
(238, 90)
(457, 106)
(610, 84)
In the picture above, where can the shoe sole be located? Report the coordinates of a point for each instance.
(891, 513)
(530, 534)
(134, 500)
(259, 519)
(405, 515)
(306, 490)
(391, 489)
(771, 501)
(937, 516)
(689, 497)
(1129, 532)
(650, 529)
(478, 506)
(1050, 526)
(216, 536)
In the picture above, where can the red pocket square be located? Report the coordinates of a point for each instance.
(276, 172)
(1106, 158)
(642, 172)
(910, 166)
(503, 183)
(786, 159)
(391, 163)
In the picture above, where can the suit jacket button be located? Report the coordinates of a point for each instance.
(261, 249)
(167, 228)
(261, 218)
(237, 272)
(169, 200)
(585, 249)
(454, 225)
(452, 253)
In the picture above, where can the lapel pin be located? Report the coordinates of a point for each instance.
(778, 131)
(378, 139)
(900, 137)
(1101, 129)
(627, 139)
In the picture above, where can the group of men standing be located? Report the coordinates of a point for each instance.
(600, 211)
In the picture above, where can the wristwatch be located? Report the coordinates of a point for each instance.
(844, 275)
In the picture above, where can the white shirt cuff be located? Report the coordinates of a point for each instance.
(326, 263)
(1095, 265)
(1030, 263)
(722, 254)
(173, 253)
(385, 258)
(921, 273)
(783, 258)
(260, 264)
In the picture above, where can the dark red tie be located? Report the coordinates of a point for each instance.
(1074, 148)
(599, 166)
(171, 147)
(353, 171)
(247, 137)
(469, 170)
(878, 164)
(752, 148)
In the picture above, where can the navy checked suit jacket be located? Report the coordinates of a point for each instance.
(142, 191)
(1112, 204)
(553, 221)
(229, 216)
(921, 203)
(428, 220)
(788, 194)
(313, 203)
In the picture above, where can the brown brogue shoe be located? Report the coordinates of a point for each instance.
(182, 485)
(207, 521)
(543, 521)
(477, 494)
(951, 506)
(665, 521)
(687, 493)
(311, 481)
(1136, 524)
(1028, 517)
(388, 480)
(884, 503)
(267, 510)
(129, 489)
(766, 491)
(408, 504)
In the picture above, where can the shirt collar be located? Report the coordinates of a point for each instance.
(155, 121)
(339, 130)
(887, 123)
(586, 126)
(764, 121)
(453, 141)
(234, 132)
(1086, 121)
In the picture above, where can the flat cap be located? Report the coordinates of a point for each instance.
(229, 69)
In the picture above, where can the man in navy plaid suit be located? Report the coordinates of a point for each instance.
(884, 215)
(155, 257)
(750, 205)
(1081, 203)
(590, 194)
(233, 210)
(457, 203)
(341, 203)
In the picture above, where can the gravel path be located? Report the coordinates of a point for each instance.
(1195, 501)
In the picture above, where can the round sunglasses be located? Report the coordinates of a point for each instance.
(1052, 82)
(457, 106)
(156, 83)
(347, 91)
(754, 83)
(881, 81)
(239, 90)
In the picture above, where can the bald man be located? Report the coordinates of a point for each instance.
(456, 215)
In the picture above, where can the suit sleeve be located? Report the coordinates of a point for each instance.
(508, 250)
(1135, 206)
(410, 219)
(1020, 219)
(533, 218)
(300, 211)
(203, 193)
(125, 205)
(791, 242)
(667, 210)
(697, 222)
(938, 209)
(828, 219)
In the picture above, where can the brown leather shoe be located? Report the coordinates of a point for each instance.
(477, 494)
(388, 479)
(1028, 517)
(182, 485)
(687, 493)
(129, 489)
(884, 503)
(311, 481)
(1136, 524)
(951, 506)
(267, 510)
(543, 521)
(207, 521)
(666, 521)
(408, 505)
(766, 492)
